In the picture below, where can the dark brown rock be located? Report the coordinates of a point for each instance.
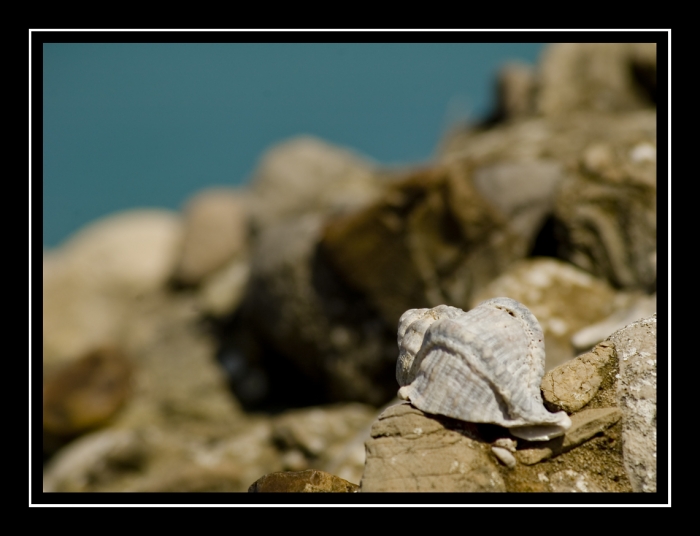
(309, 481)
(86, 393)
(431, 239)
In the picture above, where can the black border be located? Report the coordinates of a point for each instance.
(38, 38)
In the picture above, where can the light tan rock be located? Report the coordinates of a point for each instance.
(568, 481)
(91, 282)
(306, 174)
(411, 451)
(215, 231)
(572, 385)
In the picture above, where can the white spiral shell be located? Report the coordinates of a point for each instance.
(482, 366)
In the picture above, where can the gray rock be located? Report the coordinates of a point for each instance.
(411, 451)
(636, 351)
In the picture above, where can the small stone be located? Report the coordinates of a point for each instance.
(572, 385)
(504, 456)
(309, 481)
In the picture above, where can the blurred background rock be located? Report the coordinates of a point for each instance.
(255, 330)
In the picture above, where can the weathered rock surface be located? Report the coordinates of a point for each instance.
(412, 451)
(636, 391)
(310, 481)
(572, 385)
(562, 297)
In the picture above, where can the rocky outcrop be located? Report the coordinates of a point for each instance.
(610, 446)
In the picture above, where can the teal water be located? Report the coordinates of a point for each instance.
(148, 125)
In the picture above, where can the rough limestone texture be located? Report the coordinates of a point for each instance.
(309, 481)
(91, 282)
(572, 385)
(411, 451)
(563, 297)
(215, 231)
(636, 351)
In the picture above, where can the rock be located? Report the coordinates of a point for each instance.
(431, 239)
(310, 481)
(412, 451)
(307, 175)
(607, 214)
(562, 297)
(160, 458)
(594, 76)
(640, 307)
(636, 392)
(215, 231)
(299, 307)
(515, 92)
(572, 385)
(584, 425)
(523, 190)
(84, 394)
(91, 282)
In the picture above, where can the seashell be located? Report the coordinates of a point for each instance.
(482, 366)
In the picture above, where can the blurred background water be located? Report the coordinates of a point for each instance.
(147, 125)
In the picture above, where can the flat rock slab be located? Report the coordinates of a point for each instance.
(309, 481)
(411, 451)
(584, 425)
